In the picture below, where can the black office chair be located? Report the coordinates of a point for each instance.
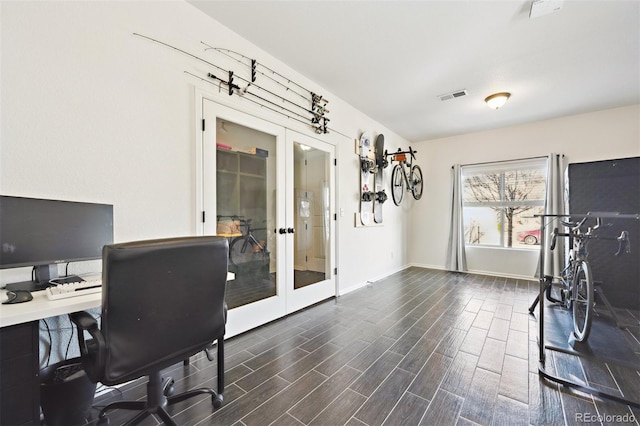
(162, 301)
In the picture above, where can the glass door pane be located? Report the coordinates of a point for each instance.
(245, 175)
(242, 170)
(312, 214)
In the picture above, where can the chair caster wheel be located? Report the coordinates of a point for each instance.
(216, 401)
(168, 389)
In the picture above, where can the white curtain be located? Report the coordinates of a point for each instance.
(554, 205)
(456, 257)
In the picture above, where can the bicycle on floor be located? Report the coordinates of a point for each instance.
(247, 248)
(574, 288)
(405, 174)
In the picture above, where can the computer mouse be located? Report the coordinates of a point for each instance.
(17, 296)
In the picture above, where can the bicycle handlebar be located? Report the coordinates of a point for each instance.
(555, 236)
(575, 225)
(624, 237)
(410, 152)
(553, 239)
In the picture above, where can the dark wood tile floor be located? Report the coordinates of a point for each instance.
(420, 347)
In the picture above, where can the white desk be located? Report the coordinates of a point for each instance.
(41, 307)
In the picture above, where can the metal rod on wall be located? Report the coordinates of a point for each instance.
(318, 120)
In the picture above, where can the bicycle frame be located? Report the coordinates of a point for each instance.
(576, 280)
(406, 169)
(577, 254)
(238, 253)
(250, 239)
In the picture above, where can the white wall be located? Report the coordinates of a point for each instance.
(608, 134)
(92, 113)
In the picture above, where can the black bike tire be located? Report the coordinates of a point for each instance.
(416, 190)
(582, 327)
(233, 244)
(397, 174)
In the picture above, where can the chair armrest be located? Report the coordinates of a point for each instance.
(83, 320)
(93, 350)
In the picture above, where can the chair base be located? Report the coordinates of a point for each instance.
(157, 402)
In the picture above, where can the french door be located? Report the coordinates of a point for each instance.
(270, 192)
(312, 248)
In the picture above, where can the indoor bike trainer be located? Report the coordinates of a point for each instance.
(544, 284)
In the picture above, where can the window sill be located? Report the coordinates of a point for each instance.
(535, 248)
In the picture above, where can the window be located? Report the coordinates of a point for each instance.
(499, 201)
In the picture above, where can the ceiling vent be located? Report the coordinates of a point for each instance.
(544, 7)
(453, 95)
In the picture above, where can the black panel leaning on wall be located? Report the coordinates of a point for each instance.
(611, 186)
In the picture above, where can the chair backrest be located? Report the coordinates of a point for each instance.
(162, 301)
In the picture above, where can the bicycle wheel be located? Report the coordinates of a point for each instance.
(397, 184)
(582, 288)
(243, 250)
(416, 180)
(236, 252)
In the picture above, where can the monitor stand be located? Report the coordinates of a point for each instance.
(37, 286)
(41, 276)
(44, 274)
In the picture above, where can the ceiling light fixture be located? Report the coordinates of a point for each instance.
(496, 100)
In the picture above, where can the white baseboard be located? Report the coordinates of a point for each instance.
(357, 286)
(479, 272)
(343, 291)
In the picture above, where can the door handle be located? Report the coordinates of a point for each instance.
(282, 231)
(290, 230)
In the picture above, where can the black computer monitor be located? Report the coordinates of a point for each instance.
(42, 233)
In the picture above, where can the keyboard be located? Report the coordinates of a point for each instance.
(81, 288)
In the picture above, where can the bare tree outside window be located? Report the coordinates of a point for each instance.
(473, 233)
(512, 194)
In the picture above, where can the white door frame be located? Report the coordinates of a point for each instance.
(247, 317)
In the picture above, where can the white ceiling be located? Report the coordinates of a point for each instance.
(391, 59)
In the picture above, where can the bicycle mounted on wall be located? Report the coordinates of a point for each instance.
(575, 289)
(405, 174)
